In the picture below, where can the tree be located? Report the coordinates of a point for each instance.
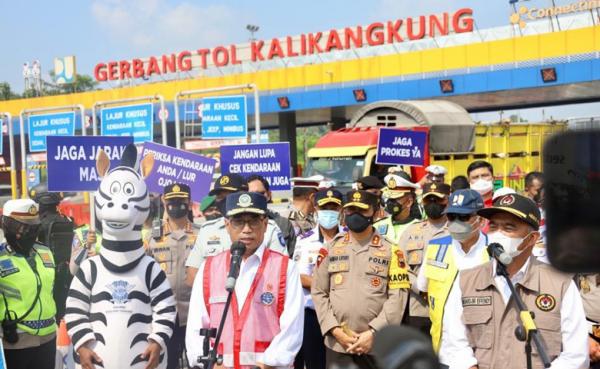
(82, 83)
(6, 92)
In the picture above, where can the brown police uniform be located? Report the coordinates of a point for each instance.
(589, 289)
(491, 325)
(360, 286)
(171, 251)
(413, 241)
(302, 223)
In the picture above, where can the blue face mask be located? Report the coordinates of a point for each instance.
(328, 219)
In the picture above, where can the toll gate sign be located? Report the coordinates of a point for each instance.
(132, 120)
(401, 147)
(44, 125)
(223, 117)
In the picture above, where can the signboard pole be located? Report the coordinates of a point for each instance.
(13, 165)
(26, 113)
(180, 94)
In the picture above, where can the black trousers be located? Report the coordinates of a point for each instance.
(312, 352)
(40, 357)
(337, 360)
(176, 346)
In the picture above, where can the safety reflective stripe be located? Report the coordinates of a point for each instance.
(441, 253)
(38, 324)
(10, 292)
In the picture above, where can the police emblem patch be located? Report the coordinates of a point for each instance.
(507, 200)
(267, 298)
(356, 196)
(120, 292)
(375, 282)
(224, 180)
(338, 279)
(33, 210)
(392, 183)
(245, 200)
(176, 188)
(545, 302)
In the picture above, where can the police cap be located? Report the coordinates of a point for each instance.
(245, 202)
(229, 182)
(361, 199)
(176, 191)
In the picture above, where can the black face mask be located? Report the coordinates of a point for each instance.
(24, 244)
(434, 210)
(177, 210)
(357, 222)
(221, 205)
(393, 208)
(212, 216)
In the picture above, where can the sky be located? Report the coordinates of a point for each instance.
(100, 30)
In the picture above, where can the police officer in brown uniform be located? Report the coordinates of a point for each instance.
(589, 288)
(413, 241)
(360, 285)
(171, 251)
(485, 336)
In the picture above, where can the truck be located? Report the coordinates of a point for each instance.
(454, 140)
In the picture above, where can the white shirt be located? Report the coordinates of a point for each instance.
(284, 346)
(574, 330)
(306, 254)
(461, 259)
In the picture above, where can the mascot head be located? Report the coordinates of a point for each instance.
(122, 203)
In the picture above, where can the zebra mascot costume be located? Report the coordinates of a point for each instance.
(120, 307)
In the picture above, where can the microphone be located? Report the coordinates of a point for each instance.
(237, 250)
(401, 347)
(496, 251)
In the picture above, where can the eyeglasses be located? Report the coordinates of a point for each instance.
(239, 223)
(461, 217)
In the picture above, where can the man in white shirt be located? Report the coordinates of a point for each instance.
(446, 256)
(484, 335)
(264, 324)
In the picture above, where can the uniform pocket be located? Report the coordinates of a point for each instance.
(414, 251)
(376, 282)
(549, 328)
(480, 328)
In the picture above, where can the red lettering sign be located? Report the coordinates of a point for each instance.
(375, 34)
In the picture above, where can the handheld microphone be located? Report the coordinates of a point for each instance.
(237, 250)
(496, 251)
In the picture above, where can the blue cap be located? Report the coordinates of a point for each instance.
(245, 202)
(465, 201)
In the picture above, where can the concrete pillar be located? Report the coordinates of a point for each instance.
(287, 133)
(338, 118)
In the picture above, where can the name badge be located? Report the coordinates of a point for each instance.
(217, 299)
(438, 264)
(477, 301)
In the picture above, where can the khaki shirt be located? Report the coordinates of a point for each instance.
(413, 242)
(589, 288)
(362, 286)
(171, 251)
(490, 324)
(302, 223)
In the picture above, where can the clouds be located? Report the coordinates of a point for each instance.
(157, 26)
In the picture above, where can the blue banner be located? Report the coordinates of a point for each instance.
(401, 147)
(223, 117)
(43, 125)
(271, 161)
(178, 166)
(131, 120)
(72, 160)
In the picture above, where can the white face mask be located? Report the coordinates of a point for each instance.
(483, 186)
(510, 244)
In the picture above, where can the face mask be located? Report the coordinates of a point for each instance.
(221, 205)
(393, 208)
(328, 219)
(460, 231)
(212, 216)
(483, 186)
(357, 222)
(510, 244)
(24, 244)
(177, 210)
(434, 210)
